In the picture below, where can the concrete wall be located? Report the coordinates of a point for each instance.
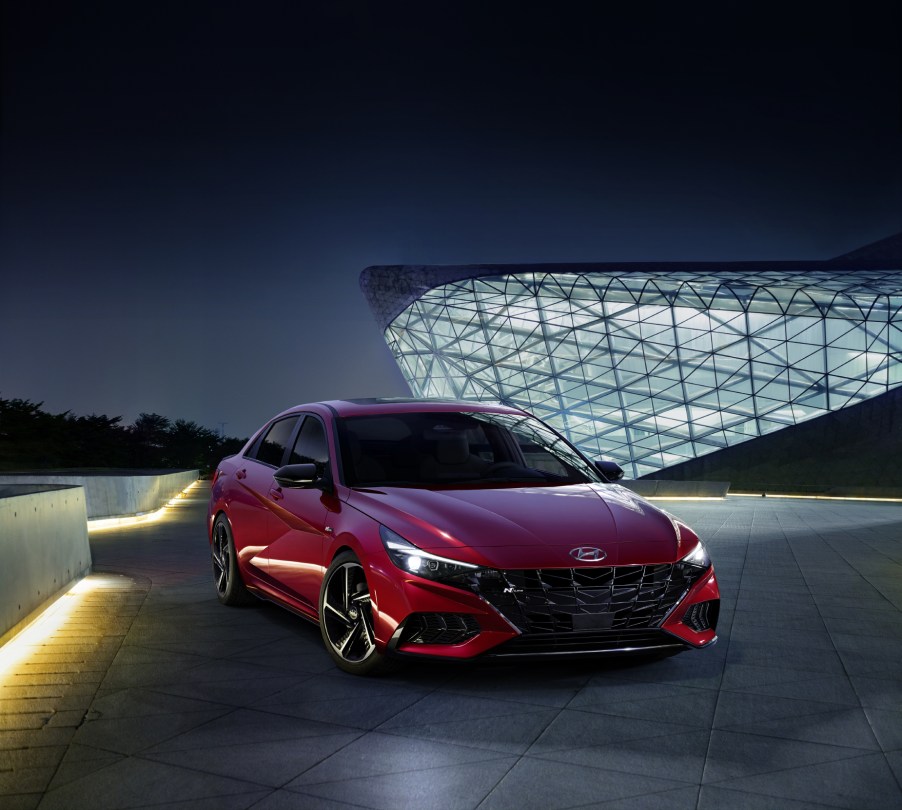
(852, 452)
(43, 546)
(677, 489)
(106, 495)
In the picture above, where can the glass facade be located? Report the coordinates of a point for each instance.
(648, 367)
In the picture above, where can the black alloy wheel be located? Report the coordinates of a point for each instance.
(346, 617)
(230, 588)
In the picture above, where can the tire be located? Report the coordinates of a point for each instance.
(230, 588)
(346, 618)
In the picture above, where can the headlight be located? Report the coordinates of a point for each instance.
(698, 557)
(414, 560)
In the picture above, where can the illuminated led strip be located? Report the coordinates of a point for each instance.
(100, 524)
(683, 497)
(769, 495)
(48, 622)
(813, 497)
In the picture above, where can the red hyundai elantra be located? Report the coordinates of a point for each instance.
(452, 530)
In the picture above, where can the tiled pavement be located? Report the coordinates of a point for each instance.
(154, 695)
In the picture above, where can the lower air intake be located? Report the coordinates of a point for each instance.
(439, 628)
(587, 642)
(702, 615)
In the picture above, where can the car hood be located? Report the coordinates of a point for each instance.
(529, 527)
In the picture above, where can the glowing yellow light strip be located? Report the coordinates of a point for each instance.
(684, 497)
(813, 497)
(768, 495)
(48, 622)
(99, 524)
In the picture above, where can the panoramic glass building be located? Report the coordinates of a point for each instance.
(650, 364)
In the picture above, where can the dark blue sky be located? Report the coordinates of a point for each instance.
(190, 190)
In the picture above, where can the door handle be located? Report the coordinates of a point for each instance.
(241, 475)
(276, 494)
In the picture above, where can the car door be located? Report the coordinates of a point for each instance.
(250, 509)
(295, 557)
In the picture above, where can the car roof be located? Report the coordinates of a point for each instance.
(377, 405)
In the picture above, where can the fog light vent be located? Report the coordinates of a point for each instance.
(439, 628)
(702, 615)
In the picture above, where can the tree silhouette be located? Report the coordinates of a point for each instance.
(31, 439)
(150, 435)
(190, 445)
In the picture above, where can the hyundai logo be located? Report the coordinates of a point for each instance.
(588, 554)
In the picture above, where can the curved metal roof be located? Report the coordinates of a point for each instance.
(390, 289)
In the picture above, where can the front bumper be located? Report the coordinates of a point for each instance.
(540, 612)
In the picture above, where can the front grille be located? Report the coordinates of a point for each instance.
(438, 628)
(602, 599)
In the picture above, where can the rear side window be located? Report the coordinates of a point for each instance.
(271, 448)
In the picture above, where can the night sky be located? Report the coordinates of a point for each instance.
(190, 190)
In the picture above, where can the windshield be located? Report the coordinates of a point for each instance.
(435, 449)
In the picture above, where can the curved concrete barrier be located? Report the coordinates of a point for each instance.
(43, 545)
(44, 528)
(115, 495)
(651, 488)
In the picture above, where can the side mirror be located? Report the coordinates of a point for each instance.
(610, 470)
(296, 476)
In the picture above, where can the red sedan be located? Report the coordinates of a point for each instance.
(452, 530)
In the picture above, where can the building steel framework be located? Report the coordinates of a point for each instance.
(648, 367)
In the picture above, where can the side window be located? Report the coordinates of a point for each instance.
(311, 444)
(271, 449)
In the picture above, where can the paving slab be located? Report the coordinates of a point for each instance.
(153, 694)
